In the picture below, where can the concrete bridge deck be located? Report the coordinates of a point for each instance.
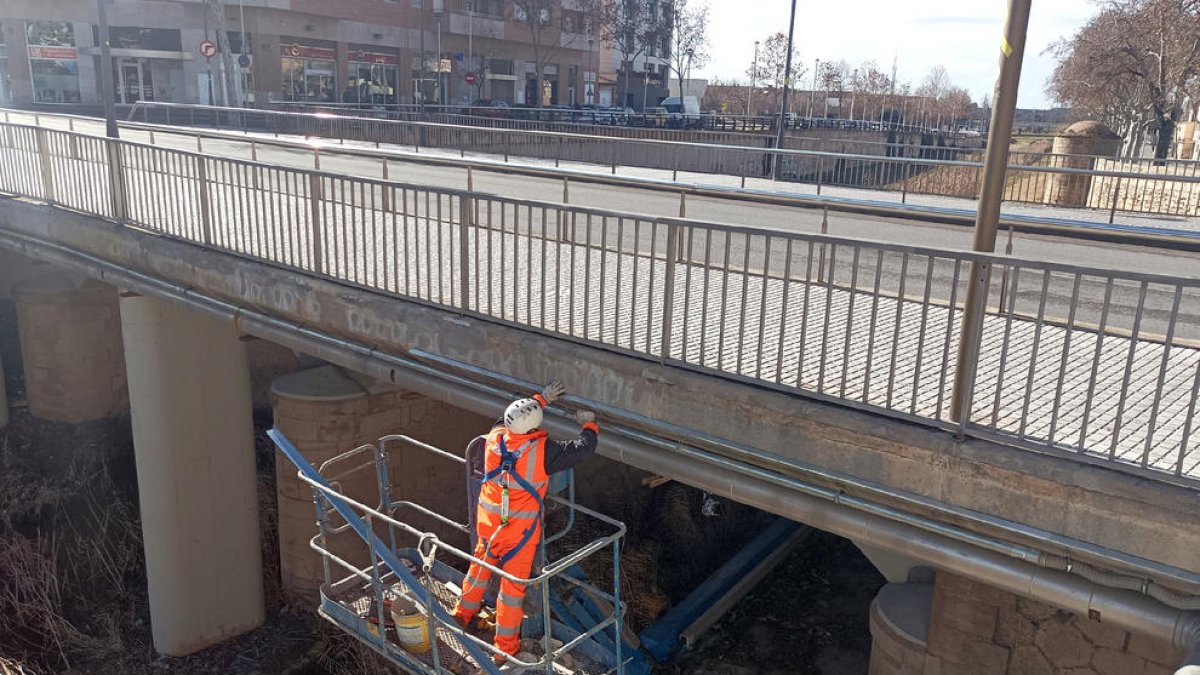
(643, 312)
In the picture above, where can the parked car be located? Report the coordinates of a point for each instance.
(486, 107)
(654, 116)
(683, 111)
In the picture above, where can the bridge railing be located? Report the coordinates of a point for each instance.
(1106, 186)
(1099, 364)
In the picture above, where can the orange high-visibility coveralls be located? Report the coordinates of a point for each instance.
(512, 546)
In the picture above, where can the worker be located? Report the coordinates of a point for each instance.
(519, 459)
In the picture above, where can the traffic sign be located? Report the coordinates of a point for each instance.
(208, 49)
(470, 78)
(244, 60)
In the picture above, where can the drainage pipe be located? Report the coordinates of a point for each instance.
(809, 479)
(1126, 609)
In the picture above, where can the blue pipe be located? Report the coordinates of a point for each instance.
(662, 638)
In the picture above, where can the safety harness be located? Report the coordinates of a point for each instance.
(508, 461)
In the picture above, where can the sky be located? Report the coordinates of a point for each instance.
(962, 35)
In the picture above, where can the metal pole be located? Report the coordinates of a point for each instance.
(753, 76)
(421, 72)
(787, 85)
(1012, 49)
(812, 95)
(106, 72)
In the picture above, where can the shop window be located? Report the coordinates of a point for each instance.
(53, 61)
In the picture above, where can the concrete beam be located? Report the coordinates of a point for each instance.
(193, 436)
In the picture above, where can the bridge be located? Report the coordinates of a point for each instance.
(801, 372)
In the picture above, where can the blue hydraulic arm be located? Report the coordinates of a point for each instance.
(381, 549)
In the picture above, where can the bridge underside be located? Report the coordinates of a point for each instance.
(1147, 519)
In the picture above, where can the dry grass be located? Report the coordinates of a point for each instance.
(69, 545)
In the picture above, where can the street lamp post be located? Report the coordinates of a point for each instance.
(420, 91)
(753, 78)
(787, 85)
(812, 95)
(107, 95)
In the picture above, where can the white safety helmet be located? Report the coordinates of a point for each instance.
(523, 416)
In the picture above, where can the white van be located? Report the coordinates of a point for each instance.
(682, 111)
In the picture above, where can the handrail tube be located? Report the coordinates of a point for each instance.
(739, 148)
(1127, 609)
(966, 255)
(1137, 234)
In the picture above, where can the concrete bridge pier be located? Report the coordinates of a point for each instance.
(956, 626)
(193, 434)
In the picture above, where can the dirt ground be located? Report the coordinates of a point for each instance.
(809, 616)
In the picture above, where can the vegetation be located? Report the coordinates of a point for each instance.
(1133, 66)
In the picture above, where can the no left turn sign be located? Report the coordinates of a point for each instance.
(208, 49)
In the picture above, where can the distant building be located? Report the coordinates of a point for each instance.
(297, 50)
(643, 81)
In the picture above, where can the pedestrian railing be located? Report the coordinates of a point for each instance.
(913, 165)
(1099, 364)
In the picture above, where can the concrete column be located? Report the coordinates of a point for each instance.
(193, 437)
(325, 411)
(71, 349)
(961, 626)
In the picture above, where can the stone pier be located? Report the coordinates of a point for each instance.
(326, 411)
(961, 627)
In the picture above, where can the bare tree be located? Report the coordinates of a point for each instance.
(543, 19)
(872, 87)
(832, 77)
(632, 28)
(230, 74)
(688, 23)
(772, 62)
(1136, 62)
(724, 95)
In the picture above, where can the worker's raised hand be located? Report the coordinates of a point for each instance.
(585, 417)
(553, 391)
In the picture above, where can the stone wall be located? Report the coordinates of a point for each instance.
(975, 629)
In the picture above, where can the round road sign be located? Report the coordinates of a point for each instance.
(244, 60)
(470, 78)
(208, 49)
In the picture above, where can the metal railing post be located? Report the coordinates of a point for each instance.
(1112, 212)
(204, 199)
(43, 148)
(116, 180)
(674, 238)
(315, 211)
(466, 217)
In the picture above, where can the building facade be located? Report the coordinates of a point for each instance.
(642, 82)
(448, 52)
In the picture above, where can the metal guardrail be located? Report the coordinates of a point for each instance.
(1098, 364)
(1103, 185)
(1165, 235)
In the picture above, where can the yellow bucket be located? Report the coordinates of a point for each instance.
(412, 626)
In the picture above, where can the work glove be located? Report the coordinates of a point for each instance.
(585, 417)
(553, 391)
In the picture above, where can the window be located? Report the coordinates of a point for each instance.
(53, 61)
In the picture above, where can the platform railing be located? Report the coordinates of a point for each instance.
(339, 512)
(1098, 364)
(1102, 184)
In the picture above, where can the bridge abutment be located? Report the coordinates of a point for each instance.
(326, 411)
(193, 435)
(956, 626)
(70, 332)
